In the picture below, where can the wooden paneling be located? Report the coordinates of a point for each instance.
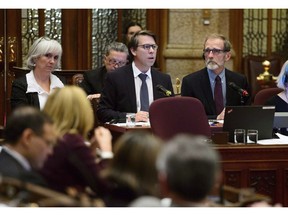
(75, 39)
(236, 37)
(157, 23)
(10, 35)
(263, 168)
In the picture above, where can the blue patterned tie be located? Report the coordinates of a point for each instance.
(218, 95)
(144, 98)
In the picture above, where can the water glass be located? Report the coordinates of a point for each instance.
(239, 136)
(130, 119)
(252, 136)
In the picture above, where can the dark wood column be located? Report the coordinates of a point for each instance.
(76, 40)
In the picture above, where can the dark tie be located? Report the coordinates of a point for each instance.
(144, 98)
(218, 95)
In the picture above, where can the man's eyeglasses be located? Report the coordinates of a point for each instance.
(114, 62)
(214, 51)
(149, 46)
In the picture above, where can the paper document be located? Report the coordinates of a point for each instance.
(281, 141)
(213, 122)
(144, 124)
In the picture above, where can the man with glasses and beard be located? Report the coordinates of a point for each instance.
(212, 84)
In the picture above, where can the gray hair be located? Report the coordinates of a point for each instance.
(42, 46)
(190, 165)
(227, 45)
(116, 46)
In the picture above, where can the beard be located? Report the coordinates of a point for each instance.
(211, 65)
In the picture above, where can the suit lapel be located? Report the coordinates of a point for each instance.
(154, 82)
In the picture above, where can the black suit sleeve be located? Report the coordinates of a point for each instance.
(109, 102)
(18, 94)
(85, 85)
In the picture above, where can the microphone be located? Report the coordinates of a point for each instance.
(241, 91)
(163, 90)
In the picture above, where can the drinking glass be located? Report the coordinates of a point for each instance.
(239, 136)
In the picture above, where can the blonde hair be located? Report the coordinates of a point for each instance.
(70, 110)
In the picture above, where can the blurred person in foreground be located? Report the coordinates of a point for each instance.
(188, 170)
(29, 137)
(132, 172)
(33, 89)
(73, 163)
(189, 173)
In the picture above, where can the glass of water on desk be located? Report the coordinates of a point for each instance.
(239, 136)
(252, 136)
(130, 119)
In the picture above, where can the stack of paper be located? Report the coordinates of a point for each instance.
(282, 140)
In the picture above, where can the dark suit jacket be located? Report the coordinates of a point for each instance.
(197, 85)
(10, 167)
(20, 97)
(93, 80)
(118, 95)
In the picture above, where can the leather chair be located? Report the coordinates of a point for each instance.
(253, 67)
(173, 115)
(263, 95)
(77, 79)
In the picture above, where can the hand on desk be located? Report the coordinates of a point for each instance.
(142, 116)
(92, 96)
(221, 115)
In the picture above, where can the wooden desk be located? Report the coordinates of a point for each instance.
(262, 167)
(119, 130)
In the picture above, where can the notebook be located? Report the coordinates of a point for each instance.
(260, 118)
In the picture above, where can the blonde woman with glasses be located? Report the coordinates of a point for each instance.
(34, 88)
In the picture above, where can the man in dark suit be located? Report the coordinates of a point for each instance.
(122, 87)
(116, 55)
(29, 137)
(201, 84)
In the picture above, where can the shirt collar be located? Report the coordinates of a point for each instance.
(136, 71)
(33, 86)
(212, 75)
